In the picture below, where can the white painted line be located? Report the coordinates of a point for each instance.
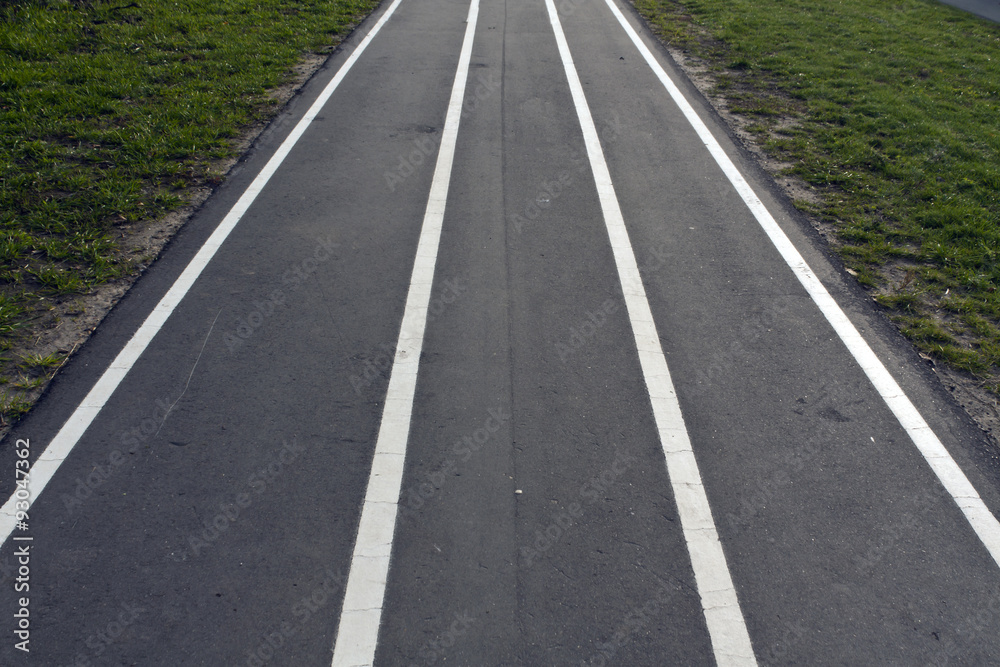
(357, 635)
(77, 424)
(941, 462)
(726, 627)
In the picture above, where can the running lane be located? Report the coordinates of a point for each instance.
(571, 465)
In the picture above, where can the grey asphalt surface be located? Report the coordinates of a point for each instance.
(988, 9)
(841, 543)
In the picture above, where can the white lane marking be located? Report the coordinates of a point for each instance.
(357, 635)
(726, 627)
(77, 424)
(934, 452)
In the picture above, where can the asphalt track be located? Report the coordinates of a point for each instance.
(206, 509)
(987, 9)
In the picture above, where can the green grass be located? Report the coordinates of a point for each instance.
(110, 112)
(895, 111)
(12, 407)
(40, 362)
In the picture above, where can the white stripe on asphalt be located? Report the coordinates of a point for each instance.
(934, 452)
(357, 634)
(74, 428)
(726, 627)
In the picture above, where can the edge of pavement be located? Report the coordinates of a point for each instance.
(62, 329)
(950, 386)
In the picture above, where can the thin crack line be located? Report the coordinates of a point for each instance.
(191, 374)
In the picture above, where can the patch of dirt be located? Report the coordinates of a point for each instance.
(706, 81)
(973, 396)
(970, 392)
(60, 325)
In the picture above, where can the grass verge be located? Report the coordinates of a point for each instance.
(891, 112)
(111, 115)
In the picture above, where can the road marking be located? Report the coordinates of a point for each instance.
(934, 452)
(726, 627)
(65, 440)
(357, 634)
